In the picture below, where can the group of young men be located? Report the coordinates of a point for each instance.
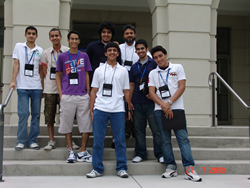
(96, 86)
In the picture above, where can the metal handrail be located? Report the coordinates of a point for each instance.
(211, 82)
(2, 106)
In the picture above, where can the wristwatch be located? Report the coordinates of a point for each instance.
(170, 102)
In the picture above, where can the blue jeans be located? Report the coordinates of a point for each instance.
(100, 123)
(23, 113)
(142, 113)
(183, 142)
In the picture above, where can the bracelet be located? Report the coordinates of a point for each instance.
(129, 110)
(170, 102)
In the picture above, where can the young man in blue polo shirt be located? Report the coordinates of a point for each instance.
(142, 104)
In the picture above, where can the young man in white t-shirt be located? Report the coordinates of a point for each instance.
(166, 86)
(51, 96)
(26, 78)
(110, 84)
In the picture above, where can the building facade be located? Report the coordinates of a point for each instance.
(204, 36)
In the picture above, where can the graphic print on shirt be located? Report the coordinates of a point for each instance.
(69, 67)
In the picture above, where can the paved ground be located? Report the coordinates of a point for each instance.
(155, 181)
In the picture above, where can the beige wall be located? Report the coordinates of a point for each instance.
(142, 20)
(239, 64)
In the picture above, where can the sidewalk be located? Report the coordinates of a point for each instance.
(137, 181)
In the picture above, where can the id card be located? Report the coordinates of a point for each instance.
(164, 91)
(29, 70)
(107, 90)
(143, 86)
(128, 64)
(52, 73)
(73, 78)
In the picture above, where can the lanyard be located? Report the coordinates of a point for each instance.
(55, 57)
(132, 54)
(28, 61)
(113, 73)
(74, 64)
(142, 74)
(166, 77)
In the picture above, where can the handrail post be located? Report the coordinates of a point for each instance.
(213, 101)
(1, 142)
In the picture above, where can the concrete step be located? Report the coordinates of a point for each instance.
(11, 130)
(61, 168)
(109, 154)
(195, 141)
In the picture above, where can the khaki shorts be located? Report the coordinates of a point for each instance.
(51, 101)
(71, 105)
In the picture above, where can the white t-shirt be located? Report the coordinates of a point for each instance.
(120, 82)
(176, 73)
(48, 59)
(128, 53)
(27, 82)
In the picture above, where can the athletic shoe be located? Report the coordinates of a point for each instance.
(51, 145)
(19, 147)
(93, 174)
(192, 176)
(169, 173)
(123, 174)
(34, 146)
(137, 159)
(84, 157)
(75, 146)
(72, 157)
(161, 160)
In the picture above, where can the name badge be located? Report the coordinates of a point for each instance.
(164, 91)
(107, 90)
(143, 86)
(52, 73)
(128, 64)
(73, 78)
(29, 70)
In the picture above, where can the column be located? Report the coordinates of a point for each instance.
(44, 15)
(187, 30)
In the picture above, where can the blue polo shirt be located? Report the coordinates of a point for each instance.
(95, 51)
(135, 75)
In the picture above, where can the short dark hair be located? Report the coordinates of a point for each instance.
(55, 29)
(111, 44)
(31, 28)
(158, 48)
(128, 26)
(73, 32)
(141, 41)
(108, 25)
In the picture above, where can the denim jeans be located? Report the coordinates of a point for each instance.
(183, 142)
(23, 113)
(142, 113)
(100, 123)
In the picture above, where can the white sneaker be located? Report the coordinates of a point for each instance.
(161, 160)
(51, 145)
(75, 146)
(169, 173)
(192, 175)
(93, 174)
(72, 157)
(84, 157)
(123, 174)
(137, 159)
(34, 146)
(19, 147)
